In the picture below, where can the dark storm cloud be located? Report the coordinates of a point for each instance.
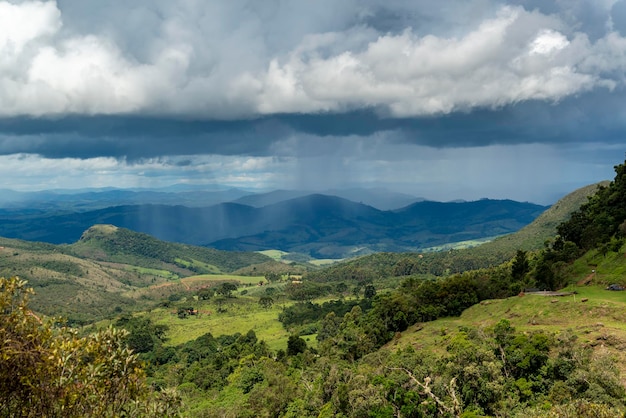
(597, 116)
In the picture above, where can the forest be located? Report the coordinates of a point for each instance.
(344, 356)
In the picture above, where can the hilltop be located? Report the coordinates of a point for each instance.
(112, 269)
(119, 245)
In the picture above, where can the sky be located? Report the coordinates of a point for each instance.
(455, 99)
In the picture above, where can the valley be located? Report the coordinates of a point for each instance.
(450, 331)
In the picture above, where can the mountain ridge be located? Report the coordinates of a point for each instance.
(315, 224)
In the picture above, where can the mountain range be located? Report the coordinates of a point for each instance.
(322, 226)
(186, 195)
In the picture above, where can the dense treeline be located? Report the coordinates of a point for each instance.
(598, 224)
(602, 218)
(308, 312)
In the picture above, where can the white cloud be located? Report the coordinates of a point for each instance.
(26, 22)
(548, 42)
(507, 59)
(233, 59)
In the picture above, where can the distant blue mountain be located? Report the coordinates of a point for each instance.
(320, 225)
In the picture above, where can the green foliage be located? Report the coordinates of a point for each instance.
(206, 293)
(520, 265)
(308, 312)
(306, 290)
(369, 292)
(226, 289)
(599, 220)
(266, 302)
(49, 371)
(272, 277)
(295, 345)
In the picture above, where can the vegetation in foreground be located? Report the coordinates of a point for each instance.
(49, 371)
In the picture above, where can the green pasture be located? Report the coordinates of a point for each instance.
(242, 314)
(603, 269)
(209, 278)
(459, 245)
(592, 313)
(274, 254)
(325, 261)
(153, 272)
(196, 264)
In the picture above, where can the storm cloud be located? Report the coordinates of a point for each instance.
(359, 86)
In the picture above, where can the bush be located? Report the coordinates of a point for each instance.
(49, 371)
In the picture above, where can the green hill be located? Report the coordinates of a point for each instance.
(111, 270)
(439, 263)
(118, 245)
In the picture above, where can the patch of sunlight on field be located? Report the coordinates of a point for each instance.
(241, 316)
(208, 278)
(154, 272)
(460, 245)
(274, 254)
(325, 261)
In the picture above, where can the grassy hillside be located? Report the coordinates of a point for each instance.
(119, 245)
(533, 236)
(458, 259)
(112, 270)
(594, 315)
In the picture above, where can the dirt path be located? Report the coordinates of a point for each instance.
(586, 280)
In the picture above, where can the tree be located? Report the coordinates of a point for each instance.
(369, 292)
(272, 277)
(598, 220)
(48, 371)
(520, 265)
(295, 345)
(205, 293)
(341, 288)
(226, 289)
(266, 302)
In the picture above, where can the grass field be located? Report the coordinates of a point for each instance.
(195, 264)
(163, 290)
(154, 272)
(325, 261)
(274, 254)
(595, 315)
(242, 314)
(213, 278)
(459, 245)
